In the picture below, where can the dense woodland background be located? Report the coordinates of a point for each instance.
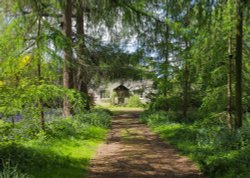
(51, 52)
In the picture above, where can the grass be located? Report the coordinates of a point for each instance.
(64, 150)
(116, 110)
(214, 162)
(213, 149)
(76, 155)
(183, 136)
(121, 108)
(55, 158)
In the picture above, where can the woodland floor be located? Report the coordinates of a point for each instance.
(133, 151)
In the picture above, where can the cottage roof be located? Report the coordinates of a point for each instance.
(121, 88)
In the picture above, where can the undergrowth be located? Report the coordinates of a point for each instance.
(219, 152)
(63, 150)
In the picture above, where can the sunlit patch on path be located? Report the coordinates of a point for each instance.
(133, 151)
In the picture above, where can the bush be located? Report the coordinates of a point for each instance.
(24, 130)
(159, 118)
(63, 128)
(97, 117)
(159, 103)
(113, 98)
(29, 129)
(80, 125)
(134, 101)
(166, 103)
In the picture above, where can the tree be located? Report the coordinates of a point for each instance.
(67, 69)
(238, 64)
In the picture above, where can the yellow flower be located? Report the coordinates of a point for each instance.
(25, 60)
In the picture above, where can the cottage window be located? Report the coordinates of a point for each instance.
(104, 94)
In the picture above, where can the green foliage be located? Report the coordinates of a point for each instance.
(10, 171)
(218, 151)
(157, 118)
(166, 103)
(215, 100)
(37, 153)
(43, 159)
(102, 111)
(24, 130)
(113, 98)
(184, 45)
(98, 118)
(81, 126)
(31, 95)
(134, 101)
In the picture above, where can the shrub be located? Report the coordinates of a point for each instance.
(113, 98)
(159, 103)
(24, 130)
(29, 129)
(134, 101)
(165, 103)
(61, 128)
(101, 119)
(158, 118)
(80, 125)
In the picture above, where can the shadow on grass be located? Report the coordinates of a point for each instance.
(41, 163)
(213, 161)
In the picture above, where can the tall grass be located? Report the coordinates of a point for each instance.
(11, 171)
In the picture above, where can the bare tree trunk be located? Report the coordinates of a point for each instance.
(67, 69)
(238, 65)
(229, 85)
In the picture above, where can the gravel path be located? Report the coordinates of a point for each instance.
(133, 151)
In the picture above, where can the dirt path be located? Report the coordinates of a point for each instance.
(133, 151)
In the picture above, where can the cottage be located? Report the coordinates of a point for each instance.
(117, 93)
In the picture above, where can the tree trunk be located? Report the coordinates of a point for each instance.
(67, 69)
(238, 65)
(166, 62)
(39, 74)
(81, 73)
(186, 73)
(229, 86)
(185, 90)
(80, 48)
(186, 86)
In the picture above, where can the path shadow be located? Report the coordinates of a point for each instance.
(133, 151)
